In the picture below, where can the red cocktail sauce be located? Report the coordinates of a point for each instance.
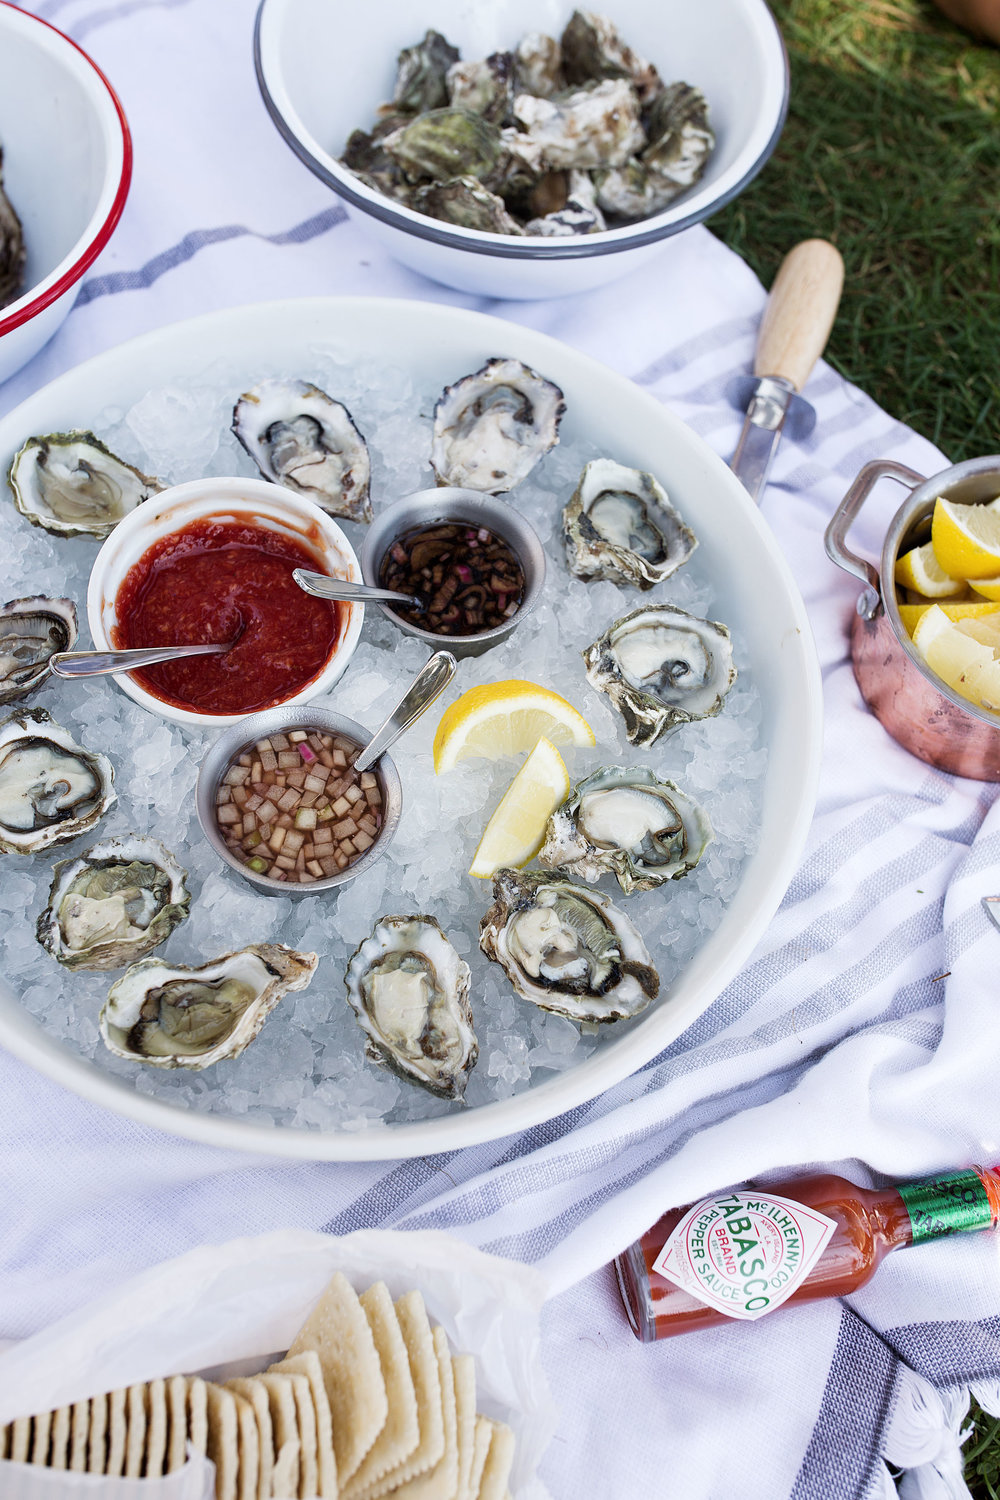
(208, 582)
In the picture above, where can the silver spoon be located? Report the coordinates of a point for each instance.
(98, 663)
(324, 587)
(432, 679)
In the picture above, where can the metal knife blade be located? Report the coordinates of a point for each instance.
(796, 324)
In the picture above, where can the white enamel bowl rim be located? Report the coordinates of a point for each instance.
(696, 204)
(117, 168)
(735, 539)
(178, 506)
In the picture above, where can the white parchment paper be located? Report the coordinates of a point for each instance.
(232, 1307)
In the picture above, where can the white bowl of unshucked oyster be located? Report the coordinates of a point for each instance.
(494, 157)
(65, 168)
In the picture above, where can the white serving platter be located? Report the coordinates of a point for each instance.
(750, 580)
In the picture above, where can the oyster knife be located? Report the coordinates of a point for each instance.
(793, 332)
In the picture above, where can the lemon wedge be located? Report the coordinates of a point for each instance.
(506, 718)
(963, 609)
(987, 588)
(516, 830)
(966, 664)
(920, 570)
(966, 539)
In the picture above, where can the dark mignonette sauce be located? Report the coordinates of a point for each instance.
(468, 577)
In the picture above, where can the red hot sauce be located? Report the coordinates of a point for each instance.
(740, 1254)
(213, 580)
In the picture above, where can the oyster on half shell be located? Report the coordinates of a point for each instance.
(620, 525)
(662, 667)
(51, 788)
(625, 821)
(72, 484)
(32, 631)
(299, 436)
(492, 427)
(410, 992)
(113, 904)
(173, 1016)
(567, 949)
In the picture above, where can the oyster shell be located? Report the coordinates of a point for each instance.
(484, 86)
(538, 65)
(620, 525)
(662, 667)
(182, 1017)
(593, 48)
(12, 252)
(51, 788)
(299, 436)
(410, 992)
(597, 126)
(446, 143)
(31, 631)
(578, 215)
(680, 141)
(421, 74)
(464, 201)
(113, 904)
(625, 821)
(492, 427)
(71, 483)
(567, 949)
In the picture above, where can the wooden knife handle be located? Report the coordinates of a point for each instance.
(800, 311)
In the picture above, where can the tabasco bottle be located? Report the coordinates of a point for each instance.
(743, 1253)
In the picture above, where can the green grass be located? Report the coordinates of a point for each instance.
(892, 151)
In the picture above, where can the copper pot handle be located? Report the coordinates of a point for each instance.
(843, 518)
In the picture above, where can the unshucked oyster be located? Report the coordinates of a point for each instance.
(72, 484)
(662, 667)
(12, 251)
(113, 904)
(567, 949)
(32, 631)
(299, 436)
(410, 992)
(620, 525)
(492, 427)
(625, 821)
(51, 788)
(180, 1017)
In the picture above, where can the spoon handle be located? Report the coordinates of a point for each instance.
(325, 587)
(99, 663)
(432, 679)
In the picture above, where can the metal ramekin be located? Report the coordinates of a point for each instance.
(278, 721)
(474, 509)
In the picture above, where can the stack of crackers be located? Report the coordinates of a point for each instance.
(368, 1403)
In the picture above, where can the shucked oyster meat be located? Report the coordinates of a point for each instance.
(51, 788)
(181, 1017)
(300, 437)
(662, 667)
(567, 949)
(492, 427)
(625, 821)
(72, 484)
(410, 992)
(32, 631)
(113, 904)
(620, 525)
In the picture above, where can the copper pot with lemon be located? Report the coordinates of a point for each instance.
(936, 690)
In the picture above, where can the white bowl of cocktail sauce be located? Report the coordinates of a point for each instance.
(210, 560)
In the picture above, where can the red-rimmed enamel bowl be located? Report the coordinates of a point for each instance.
(67, 165)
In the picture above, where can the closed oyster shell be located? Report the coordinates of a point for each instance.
(421, 74)
(410, 992)
(31, 631)
(578, 215)
(51, 788)
(300, 437)
(72, 484)
(567, 949)
(625, 821)
(446, 143)
(620, 525)
(464, 201)
(175, 1016)
(492, 427)
(483, 86)
(538, 65)
(113, 904)
(592, 47)
(598, 126)
(662, 667)
(12, 251)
